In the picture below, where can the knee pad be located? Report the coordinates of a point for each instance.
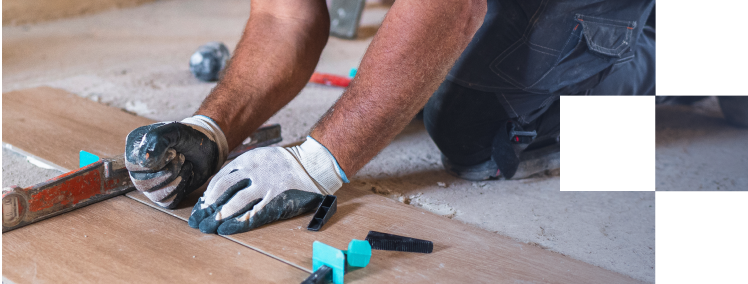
(508, 144)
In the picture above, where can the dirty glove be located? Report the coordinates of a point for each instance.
(265, 185)
(168, 160)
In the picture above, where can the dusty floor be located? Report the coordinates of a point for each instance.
(697, 150)
(137, 59)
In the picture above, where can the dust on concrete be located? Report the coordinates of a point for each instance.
(696, 149)
(17, 12)
(17, 170)
(137, 59)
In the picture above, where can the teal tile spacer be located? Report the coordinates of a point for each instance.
(86, 158)
(323, 254)
(358, 253)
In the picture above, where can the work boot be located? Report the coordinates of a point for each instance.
(484, 171)
(539, 154)
(531, 162)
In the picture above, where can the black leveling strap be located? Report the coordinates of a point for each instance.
(319, 276)
(382, 241)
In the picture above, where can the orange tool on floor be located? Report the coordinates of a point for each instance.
(330, 80)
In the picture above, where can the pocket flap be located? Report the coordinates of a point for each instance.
(606, 36)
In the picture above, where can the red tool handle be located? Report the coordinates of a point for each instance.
(330, 80)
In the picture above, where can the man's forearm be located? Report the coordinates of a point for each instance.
(274, 59)
(409, 57)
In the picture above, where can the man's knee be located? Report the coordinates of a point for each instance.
(462, 122)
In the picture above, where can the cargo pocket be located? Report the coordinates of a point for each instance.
(593, 45)
(605, 36)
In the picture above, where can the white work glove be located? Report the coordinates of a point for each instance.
(265, 185)
(168, 160)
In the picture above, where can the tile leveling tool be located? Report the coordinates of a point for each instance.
(331, 264)
(100, 180)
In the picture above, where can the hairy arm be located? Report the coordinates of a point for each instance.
(410, 56)
(274, 59)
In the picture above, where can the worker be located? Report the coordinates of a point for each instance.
(476, 91)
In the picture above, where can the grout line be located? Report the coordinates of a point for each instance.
(225, 237)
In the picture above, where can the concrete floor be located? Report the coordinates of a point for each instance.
(137, 59)
(697, 149)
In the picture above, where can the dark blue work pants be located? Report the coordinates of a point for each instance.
(529, 52)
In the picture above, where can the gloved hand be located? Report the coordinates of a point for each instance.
(168, 160)
(265, 185)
